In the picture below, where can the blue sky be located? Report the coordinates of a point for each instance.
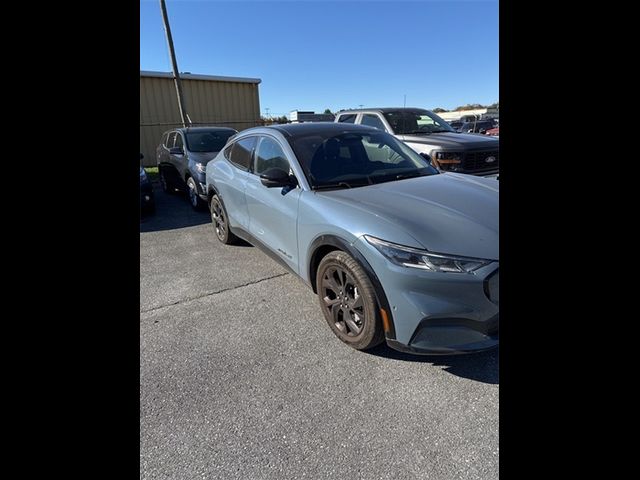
(313, 55)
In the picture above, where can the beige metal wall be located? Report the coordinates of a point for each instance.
(208, 102)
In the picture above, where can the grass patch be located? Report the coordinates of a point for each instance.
(152, 173)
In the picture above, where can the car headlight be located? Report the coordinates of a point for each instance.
(449, 160)
(201, 167)
(425, 260)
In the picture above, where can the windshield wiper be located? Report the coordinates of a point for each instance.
(412, 175)
(332, 185)
(424, 132)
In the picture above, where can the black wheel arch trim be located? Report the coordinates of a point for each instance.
(341, 244)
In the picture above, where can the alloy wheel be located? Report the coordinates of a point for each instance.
(341, 297)
(193, 193)
(219, 222)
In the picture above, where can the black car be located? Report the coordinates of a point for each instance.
(147, 201)
(183, 155)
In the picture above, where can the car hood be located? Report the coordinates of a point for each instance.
(202, 157)
(453, 140)
(444, 213)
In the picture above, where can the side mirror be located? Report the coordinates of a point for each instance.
(141, 156)
(176, 151)
(276, 177)
(427, 157)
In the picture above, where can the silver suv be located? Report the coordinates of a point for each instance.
(431, 136)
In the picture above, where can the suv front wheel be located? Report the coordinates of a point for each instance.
(192, 192)
(348, 301)
(220, 222)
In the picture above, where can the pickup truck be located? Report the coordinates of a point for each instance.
(431, 136)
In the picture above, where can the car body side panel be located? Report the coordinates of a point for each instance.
(273, 216)
(230, 184)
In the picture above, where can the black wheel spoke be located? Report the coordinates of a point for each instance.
(330, 302)
(351, 324)
(331, 284)
(335, 312)
(358, 304)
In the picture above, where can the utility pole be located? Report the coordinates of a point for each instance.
(174, 64)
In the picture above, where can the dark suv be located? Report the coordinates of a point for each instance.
(182, 157)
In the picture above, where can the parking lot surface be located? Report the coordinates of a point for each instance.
(241, 377)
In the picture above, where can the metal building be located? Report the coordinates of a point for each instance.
(209, 100)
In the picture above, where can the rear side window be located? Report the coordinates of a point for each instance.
(351, 118)
(242, 152)
(372, 121)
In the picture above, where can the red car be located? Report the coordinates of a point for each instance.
(493, 131)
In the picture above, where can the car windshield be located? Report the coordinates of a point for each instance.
(356, 159)
(208, 141)
(405, 122)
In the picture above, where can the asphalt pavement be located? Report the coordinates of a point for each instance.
(241, 377)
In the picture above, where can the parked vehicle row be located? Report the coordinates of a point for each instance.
(431, 136)
(474, 126)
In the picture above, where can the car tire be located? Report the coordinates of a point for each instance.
(348, 301)
(167, 185)
(192, 194)
(220, 221)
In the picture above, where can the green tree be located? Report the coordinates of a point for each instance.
(469, 106)
(328, 111)
(438, 110)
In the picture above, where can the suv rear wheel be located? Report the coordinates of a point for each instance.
(348, 301)
(220, 222)
(167, 185)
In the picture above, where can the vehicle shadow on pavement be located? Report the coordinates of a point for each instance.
(481, 367)
(172, 211)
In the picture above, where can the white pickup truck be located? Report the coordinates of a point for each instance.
(428, 134)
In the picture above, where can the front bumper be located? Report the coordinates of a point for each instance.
(451, 336)
(438, 313)
(202, 191)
